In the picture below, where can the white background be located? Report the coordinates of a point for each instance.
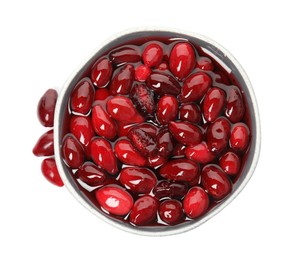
(42, 42)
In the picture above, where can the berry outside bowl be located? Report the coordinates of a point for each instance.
(220, 55)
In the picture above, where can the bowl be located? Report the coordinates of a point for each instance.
(221, 56)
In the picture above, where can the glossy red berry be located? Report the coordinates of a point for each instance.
(152, 55)
(125, 54)
(167, 109)
(127, 154)
(215, 182)
(103, 124)
(46, 107)
(122, 81)
(163, 84)
(137, 179)
(213, 104)
(73, 152)
(195, 87)
(182, 60)
(144, 210)
(200, 153)
(196, 202)
(114, 199)
(45, 145)
(101, 73)
(171, 211)
(230, 163)
(91, 174)
(82, 96)
(191, 113)
(218, 134)
(185, 132)
(50, 172)
(180, 170)
(165, 143)
(239, 137)
(235, 108)
(122, 109)
(81, 128)
(102, 154)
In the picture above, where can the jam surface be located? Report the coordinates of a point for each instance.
(157, 133)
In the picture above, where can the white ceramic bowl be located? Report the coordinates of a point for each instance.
(222, 56)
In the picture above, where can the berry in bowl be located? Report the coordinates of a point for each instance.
(157, 131)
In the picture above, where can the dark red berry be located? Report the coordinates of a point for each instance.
(144, 210)
(73, 152)
(165, 143)
(50, 172)
(167, 109)
(171, 211)
(170, 189)
(45, 145)
(137, 179)
(46, 107)
(91, 174)
(101, 73)
(235, 108)
(239, 137)
(215, 182)
(125, 54)
(82, 96)
(190, 113)
(204, 63)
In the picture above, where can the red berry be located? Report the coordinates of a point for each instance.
(101, 94)
(204, 63)
(144, 210)
(143, 99)
(239, 137)
(101, 73)
(114, 199)
(73, 152)
(170, 189)
(124, 54)
(171, 211)
(127, 154)
(46, 108)
(180, 170)
(195, 202)
(102, 123)
(230, 163)
(122, 81)
(222, 78)
(91, 174)
(143, 141)
(235, 108)
(137, 179)
(165, 143)
(200, 153)
(218, 134)
(122, 109)
(167, 109)
(215, 182)
(185, 132)
(179, 150)
(163, 84)
(45, 145)
(50, 172)
(142, 72)
(152, 55)
(82, 96)
(213, 104)
(195, 87)
(102, 155)
(190, 113)
(182, 60)
(81, 128)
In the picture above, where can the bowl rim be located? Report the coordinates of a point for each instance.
(180, 228)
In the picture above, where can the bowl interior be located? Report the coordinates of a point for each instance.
(219, 54)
